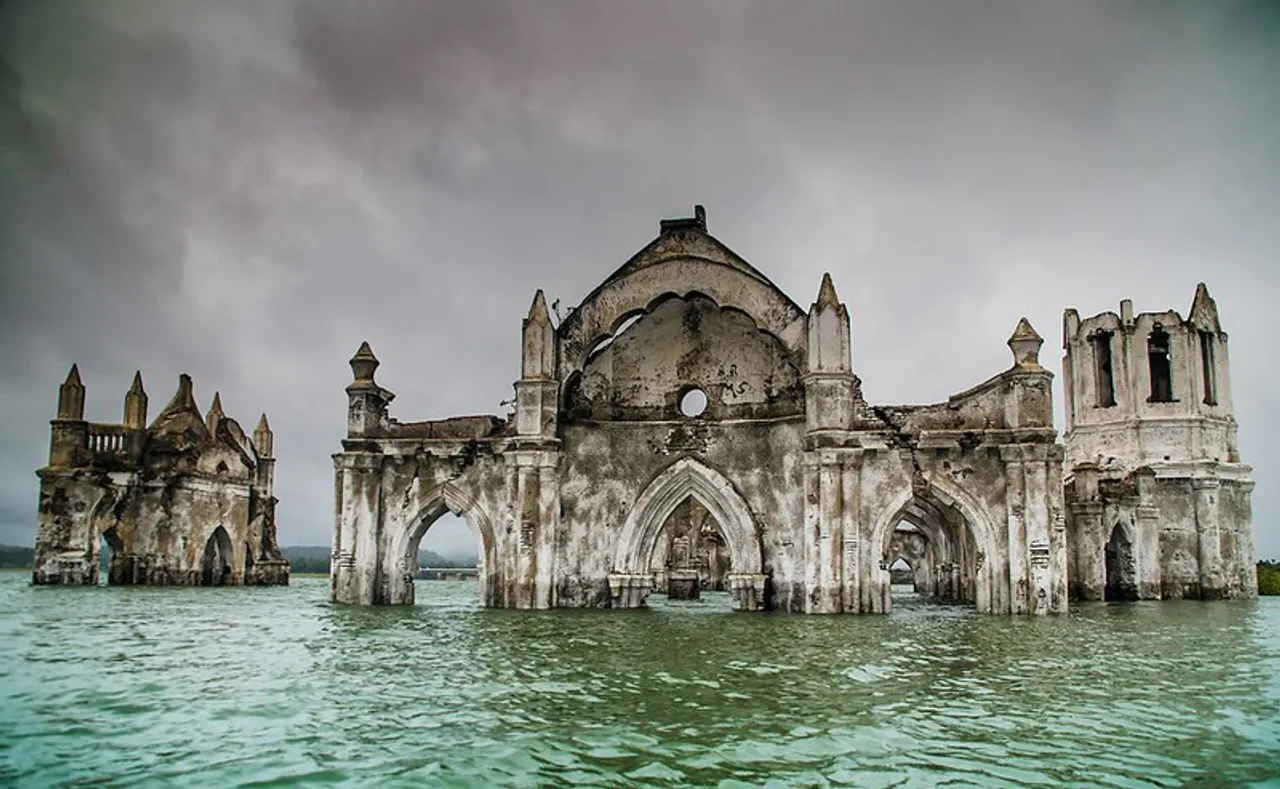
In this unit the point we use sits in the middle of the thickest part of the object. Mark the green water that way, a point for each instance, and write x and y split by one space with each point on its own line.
276 687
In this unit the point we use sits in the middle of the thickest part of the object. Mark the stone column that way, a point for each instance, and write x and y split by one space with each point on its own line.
1015 490
850 568
1035 524
1147 533
1206 504
355 564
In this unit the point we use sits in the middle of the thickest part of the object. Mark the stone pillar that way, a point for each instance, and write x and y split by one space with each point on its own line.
69 432
1147 531
1015 506
356 560
1209 555
537 495
1037 527
851 525
1086 512
812 530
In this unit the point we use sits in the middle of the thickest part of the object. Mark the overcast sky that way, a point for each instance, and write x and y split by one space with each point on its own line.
247 190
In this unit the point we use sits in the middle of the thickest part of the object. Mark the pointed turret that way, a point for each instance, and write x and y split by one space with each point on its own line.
263 438
366 401
829 350
827 292
71 396
215 414
1204 311
1025 344
135 404
539 341
364 364
830 388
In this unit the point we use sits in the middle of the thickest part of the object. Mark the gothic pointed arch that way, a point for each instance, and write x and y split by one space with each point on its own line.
682 479
402 552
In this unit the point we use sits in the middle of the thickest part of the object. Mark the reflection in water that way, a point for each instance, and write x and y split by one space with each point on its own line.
275 686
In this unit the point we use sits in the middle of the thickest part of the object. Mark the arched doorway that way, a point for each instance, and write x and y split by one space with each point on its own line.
405 546
1120 566
690 555
216 561
951 546
697 487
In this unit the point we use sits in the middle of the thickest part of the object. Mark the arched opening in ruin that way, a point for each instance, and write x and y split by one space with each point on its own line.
448 530
687 513
1120 568
910 563
944 547
691 556
110 558
216 561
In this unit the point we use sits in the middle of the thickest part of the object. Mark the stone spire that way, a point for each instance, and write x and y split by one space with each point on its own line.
71 396
539 341
1025 344
1204 311
215 414
829 345
827 292
263 438
135 404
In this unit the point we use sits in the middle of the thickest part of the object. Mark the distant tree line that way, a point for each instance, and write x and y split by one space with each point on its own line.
315 559
16 556
1269 577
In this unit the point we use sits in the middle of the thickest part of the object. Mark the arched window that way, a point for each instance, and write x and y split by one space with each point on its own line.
1160 365
1103 376
1209 368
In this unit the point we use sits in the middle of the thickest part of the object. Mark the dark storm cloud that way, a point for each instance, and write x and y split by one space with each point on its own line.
245 191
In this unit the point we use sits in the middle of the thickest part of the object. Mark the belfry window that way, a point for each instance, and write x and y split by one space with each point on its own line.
1103 376
1209 370
1160 365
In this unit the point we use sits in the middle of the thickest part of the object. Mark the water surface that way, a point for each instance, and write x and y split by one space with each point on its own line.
277 687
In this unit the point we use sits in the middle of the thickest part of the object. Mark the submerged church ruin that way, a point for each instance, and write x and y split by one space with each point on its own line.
186 501
689 426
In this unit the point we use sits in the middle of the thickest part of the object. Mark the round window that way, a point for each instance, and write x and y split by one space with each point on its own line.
693 403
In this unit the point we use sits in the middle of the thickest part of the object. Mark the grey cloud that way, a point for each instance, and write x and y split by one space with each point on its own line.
246 191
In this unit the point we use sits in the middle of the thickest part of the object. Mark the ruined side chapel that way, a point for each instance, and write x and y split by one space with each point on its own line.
689 427
185 501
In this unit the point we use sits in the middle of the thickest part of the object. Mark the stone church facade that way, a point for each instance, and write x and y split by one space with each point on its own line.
185 501
689 425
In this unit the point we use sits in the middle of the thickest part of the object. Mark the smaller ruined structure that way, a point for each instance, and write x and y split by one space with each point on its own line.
1158 498
187 501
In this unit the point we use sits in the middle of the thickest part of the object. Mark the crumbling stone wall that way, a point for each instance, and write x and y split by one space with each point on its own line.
187 501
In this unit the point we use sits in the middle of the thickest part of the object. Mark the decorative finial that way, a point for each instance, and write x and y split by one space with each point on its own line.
136 386
364 364
263 426
1025 344
73 376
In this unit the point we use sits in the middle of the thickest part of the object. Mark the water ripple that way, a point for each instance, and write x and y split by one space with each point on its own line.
277 688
